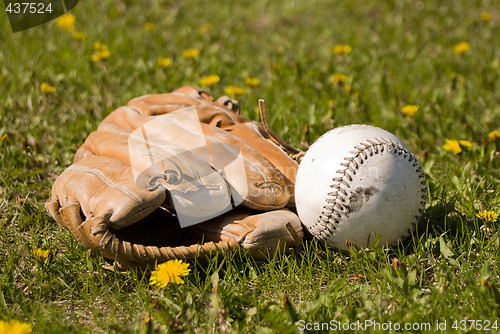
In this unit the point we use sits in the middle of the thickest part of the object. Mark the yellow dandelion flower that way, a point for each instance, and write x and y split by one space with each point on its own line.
485 16
487 216
209 80
339 78
97 56
66 22
493 135
190 53
169 272
163 62
100 46
101 52
204 28
455 146
465 143
79 36
105 54
47 88
409 110
461 48
252 82
452 145
148 26
41 254
341 49
14 327
348 88
234 90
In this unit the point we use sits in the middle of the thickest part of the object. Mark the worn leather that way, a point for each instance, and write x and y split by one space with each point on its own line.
122 196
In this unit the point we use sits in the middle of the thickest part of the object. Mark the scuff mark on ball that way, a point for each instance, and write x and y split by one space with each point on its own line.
360 196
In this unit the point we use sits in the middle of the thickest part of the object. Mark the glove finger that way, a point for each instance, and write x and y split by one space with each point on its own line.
193 92
230 103
70 216
104 187
260 233
159 104
260 185
219 112
255 136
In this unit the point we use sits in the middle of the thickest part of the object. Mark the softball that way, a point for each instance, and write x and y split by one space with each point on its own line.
359 184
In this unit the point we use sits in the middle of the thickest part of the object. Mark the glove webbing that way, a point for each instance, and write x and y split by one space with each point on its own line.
293 152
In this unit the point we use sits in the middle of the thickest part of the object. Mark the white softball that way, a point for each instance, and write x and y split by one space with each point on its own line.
358 183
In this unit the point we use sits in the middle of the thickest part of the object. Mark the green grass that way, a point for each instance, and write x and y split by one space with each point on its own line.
402 53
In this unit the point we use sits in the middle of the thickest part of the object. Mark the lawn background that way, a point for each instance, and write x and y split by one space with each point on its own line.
402 54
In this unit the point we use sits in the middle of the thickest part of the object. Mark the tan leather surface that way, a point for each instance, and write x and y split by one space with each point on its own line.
260 233
209 111
205 196
104 187
120 195
255 136
268 188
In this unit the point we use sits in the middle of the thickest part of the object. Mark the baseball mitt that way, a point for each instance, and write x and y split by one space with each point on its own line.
179 176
